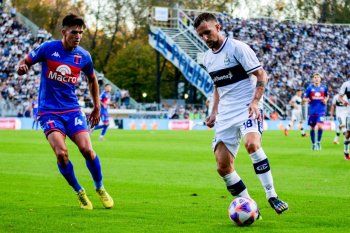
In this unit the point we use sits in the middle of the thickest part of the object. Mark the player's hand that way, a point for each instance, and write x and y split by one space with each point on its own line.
210 121
94 117
22 69
253 110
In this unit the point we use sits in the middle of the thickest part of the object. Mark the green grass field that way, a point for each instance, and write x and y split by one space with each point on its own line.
166 181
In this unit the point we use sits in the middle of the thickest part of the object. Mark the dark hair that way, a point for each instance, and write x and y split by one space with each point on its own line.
73 20
107 84
204 17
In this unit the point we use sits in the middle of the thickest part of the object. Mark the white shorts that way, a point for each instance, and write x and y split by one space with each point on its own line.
297 115
341 115
231 134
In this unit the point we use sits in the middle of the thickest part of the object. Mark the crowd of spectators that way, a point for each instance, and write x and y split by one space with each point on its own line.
17 92
292 51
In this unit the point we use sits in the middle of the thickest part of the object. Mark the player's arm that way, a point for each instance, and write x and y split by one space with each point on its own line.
262 78
23 66
342 94
331 112
94 117
210 121
341 98
37 55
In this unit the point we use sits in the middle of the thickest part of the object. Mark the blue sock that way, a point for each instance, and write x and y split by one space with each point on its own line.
319 135
104 130
68 172
312 134
94 167
98 127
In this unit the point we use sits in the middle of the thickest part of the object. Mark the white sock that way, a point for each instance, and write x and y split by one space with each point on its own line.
235 185
262 169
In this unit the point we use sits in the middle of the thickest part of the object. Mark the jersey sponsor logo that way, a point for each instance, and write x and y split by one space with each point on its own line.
228 76
55 54
317 96
62 74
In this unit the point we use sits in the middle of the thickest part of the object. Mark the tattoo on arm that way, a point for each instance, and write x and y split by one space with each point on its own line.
259 91
260 84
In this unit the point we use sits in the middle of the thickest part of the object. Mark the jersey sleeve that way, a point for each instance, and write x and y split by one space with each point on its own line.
38 54
247 57
88 69
342 89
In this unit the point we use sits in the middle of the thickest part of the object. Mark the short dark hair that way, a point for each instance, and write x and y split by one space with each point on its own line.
204 17
107 84
73 20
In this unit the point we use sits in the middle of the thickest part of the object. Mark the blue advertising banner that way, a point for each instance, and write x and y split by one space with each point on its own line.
191 70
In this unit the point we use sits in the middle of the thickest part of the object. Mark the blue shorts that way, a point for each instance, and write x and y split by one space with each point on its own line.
68 123
105 119
314 119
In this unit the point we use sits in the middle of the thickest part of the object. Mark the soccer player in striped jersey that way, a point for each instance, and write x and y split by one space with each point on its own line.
340 111
345 92
297 113
237 107
59 111
316 95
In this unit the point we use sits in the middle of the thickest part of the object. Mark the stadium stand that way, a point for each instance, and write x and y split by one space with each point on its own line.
291 51
16 40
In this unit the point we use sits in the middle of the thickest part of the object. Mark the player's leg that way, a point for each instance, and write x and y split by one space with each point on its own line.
312 124
251 131
105 120
338 129
82 140
347 139
225 168
65 166
319 131
262 169
289 126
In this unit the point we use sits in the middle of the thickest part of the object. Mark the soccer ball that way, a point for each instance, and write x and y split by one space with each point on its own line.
243 211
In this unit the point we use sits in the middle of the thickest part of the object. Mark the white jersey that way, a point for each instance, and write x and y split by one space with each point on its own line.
297 102
339 106
230 68
345 89
341 111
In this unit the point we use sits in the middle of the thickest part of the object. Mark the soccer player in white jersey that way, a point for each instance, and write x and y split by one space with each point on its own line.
345 91
340 115
236 109
297 113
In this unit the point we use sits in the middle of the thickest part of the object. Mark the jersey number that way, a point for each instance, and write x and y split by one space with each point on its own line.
248 124
77 121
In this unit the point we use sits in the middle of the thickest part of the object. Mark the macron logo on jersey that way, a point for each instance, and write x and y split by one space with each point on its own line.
55 54
62 74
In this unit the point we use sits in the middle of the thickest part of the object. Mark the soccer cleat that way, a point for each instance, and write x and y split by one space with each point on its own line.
105 198
336 142
286 132
314 146
304 135
278 205
346 156
319 146
259 215
84 201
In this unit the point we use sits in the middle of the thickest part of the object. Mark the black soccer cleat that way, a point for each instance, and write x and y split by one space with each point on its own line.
278 205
